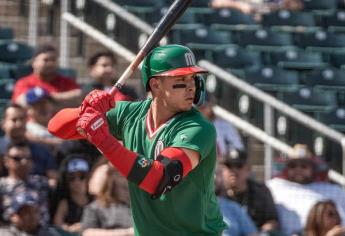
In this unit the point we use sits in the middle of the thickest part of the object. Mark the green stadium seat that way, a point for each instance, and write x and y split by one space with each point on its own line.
321 41
154 17
326 78
297 59
202 38
6 33
6 88
264 40
288 18
334 118
307 99
273 79
320 5
234 57
15 52
335 22
5 73
21 71
337 59
228 19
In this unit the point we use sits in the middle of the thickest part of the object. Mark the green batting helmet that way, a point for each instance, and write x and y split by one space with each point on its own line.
169 60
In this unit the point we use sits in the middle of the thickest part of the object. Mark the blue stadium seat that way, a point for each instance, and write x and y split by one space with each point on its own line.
6 33
234 57
264 40
297 59
15 52
228 19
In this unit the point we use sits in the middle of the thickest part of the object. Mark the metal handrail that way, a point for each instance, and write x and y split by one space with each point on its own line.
275 103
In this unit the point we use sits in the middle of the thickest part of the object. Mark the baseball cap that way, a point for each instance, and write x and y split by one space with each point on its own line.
21 199
36 94
77 164
235 156
300 151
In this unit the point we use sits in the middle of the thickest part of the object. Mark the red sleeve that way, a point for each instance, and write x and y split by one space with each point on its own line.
69 84
122 97
20 87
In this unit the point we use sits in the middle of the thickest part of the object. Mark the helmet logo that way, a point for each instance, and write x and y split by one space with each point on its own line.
190 59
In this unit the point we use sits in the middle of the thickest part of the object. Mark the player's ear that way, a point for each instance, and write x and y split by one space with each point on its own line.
154 83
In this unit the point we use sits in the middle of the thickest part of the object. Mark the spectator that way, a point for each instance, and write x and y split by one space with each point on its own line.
25 217
73 187
45 75
297 190
237 220
227 135
324 220
108 213
40 108
102 71
18 162
254 197
14 127
258 6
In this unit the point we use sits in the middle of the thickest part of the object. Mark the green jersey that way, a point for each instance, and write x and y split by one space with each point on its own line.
191 207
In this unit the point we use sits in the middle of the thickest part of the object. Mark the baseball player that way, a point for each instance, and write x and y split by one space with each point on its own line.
169 149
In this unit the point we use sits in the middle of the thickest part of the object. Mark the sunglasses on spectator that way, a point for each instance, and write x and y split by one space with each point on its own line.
19 158
303 165
74 177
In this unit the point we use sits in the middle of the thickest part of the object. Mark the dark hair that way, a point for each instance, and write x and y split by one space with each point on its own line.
43 49
95 57
17 144
11 105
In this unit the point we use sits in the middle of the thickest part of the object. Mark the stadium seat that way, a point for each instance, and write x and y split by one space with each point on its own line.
21 71
6 88
264 40
334 118
321 41
234 57
202 38
326 78
320 5
154 17
273 79
288 18
5 73
297 59
308 100
15 52
228 19
335 22
6 33
337 59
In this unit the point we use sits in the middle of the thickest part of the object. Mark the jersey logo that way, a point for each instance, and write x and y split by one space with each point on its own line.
190 59
144 162
159 147
183 137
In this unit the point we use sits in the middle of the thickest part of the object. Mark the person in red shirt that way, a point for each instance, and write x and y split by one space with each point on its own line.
45 75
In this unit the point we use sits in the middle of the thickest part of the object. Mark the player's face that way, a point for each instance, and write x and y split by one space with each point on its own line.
177 93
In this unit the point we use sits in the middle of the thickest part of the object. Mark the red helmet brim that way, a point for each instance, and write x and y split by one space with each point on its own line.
183 71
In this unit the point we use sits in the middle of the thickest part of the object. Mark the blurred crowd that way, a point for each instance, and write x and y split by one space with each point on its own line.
53 187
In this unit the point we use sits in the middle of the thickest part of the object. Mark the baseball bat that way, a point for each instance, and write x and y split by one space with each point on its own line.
63 124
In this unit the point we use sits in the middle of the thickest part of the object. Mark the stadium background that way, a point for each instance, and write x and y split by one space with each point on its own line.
297 57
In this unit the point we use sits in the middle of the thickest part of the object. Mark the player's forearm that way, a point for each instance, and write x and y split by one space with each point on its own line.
109 232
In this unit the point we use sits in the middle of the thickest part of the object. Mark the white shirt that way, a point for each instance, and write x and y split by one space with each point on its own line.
294 201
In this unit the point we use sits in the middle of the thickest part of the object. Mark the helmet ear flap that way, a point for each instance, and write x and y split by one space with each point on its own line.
200 90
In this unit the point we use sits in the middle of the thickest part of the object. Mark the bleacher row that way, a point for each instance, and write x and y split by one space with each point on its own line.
297 56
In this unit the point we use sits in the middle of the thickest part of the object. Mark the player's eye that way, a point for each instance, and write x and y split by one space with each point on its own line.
179 86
